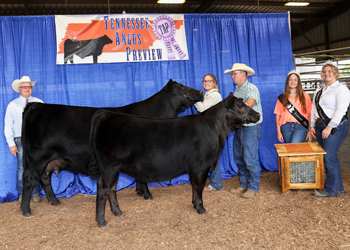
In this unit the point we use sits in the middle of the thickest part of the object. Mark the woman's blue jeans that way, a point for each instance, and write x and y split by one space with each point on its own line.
293 132
334 182
36 190
246 155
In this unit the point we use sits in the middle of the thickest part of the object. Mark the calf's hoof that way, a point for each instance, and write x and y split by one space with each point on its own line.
118 212
146 196
27 215
102 224
202 211
55 202
150 197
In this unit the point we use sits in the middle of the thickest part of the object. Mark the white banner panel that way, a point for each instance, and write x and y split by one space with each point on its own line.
120 38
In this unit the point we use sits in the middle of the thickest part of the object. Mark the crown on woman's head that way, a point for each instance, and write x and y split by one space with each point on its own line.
329 62
293 72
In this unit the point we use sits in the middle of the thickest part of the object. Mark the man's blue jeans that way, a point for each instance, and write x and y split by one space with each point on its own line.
36 190
215 178
293 132
246 155
334 182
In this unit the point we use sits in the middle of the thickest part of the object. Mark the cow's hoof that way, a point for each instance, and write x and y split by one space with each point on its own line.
103 224
148 197
55 203
202 211
118 213
27 215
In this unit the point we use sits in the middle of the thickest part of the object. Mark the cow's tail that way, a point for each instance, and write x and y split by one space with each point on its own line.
94 170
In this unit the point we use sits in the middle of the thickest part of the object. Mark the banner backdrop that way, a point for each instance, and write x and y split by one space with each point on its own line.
120 38
215 42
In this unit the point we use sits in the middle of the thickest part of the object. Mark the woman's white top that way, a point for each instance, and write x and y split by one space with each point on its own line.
211 98
334 101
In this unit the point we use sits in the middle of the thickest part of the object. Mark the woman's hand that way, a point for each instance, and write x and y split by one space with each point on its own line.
309 136
280 137
326 132
278 128
312 133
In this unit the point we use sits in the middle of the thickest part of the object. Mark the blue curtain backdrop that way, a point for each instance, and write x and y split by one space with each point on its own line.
215 42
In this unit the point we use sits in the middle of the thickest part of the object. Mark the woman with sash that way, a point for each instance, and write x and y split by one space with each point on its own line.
293 109
211 98
329 125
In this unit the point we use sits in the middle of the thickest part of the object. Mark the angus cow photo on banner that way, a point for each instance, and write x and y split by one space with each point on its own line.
120 38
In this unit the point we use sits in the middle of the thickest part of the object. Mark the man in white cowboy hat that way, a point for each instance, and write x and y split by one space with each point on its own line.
246 139
13 128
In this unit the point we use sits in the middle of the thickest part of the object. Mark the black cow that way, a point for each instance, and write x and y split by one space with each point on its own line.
84 48
153 150
56 137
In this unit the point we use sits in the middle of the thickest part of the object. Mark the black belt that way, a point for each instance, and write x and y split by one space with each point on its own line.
319 122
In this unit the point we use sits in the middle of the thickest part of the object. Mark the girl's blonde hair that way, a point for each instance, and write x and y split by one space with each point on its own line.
334 69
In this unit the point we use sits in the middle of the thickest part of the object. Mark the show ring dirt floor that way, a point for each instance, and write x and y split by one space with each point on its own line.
272 220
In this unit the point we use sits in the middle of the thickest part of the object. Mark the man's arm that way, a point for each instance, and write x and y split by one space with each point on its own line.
8 131
250 102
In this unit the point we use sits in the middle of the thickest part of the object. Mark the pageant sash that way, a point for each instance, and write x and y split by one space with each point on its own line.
323 117
295 113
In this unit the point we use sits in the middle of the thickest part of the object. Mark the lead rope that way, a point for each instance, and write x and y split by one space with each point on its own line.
188 97
192 109
242 116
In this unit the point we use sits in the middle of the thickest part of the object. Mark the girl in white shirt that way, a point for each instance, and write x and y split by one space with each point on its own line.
212 97
329 125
